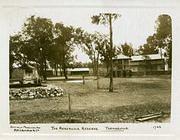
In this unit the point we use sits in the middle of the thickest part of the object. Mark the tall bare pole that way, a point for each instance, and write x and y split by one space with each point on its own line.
69 107
111 48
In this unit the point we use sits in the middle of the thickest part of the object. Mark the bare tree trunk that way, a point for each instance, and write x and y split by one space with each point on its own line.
10 72
107 68
55 66
41 63
111 47
145 69
94 64
45 70
64 64
98 70
69 107
56 70
60 68
64 71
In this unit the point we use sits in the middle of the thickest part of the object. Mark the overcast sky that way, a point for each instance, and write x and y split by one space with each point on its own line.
134 25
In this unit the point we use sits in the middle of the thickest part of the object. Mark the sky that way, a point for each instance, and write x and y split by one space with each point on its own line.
134 25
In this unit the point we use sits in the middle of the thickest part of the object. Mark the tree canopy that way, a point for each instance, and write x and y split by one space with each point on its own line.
40 41
126 49
164 35
161 39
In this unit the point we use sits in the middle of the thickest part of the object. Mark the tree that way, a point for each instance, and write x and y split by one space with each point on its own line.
37 36
88 43
63 46
91 44
147 49
164 35
96 46
100 42
127 49
107 18
150 47
161 39
104 51
88 46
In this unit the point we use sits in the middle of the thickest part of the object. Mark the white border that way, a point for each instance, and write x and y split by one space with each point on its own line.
169 131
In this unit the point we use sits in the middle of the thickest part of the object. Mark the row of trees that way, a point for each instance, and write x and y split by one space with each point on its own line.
41 41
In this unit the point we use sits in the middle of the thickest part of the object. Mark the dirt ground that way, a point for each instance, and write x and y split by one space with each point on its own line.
132 97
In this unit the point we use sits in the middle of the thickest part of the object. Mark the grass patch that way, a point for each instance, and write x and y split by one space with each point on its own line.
122 114
133 97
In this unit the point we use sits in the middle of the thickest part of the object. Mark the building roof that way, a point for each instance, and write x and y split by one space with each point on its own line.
78 69
149 56
24 66
139 57
121 56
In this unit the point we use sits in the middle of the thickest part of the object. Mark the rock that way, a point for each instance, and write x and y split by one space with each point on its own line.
24 96
52 95
32 93
11 97
58 94
44 96
31 97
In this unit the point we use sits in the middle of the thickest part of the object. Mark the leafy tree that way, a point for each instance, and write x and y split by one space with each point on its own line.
104 51
146 49
63 46
127 49
88 44
38 38
91 44
161 39
94 45
100 42
41 41
107 18
150 47
164 34
89 49
97 47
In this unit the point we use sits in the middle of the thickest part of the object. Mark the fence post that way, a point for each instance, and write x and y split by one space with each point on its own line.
83 79
69 107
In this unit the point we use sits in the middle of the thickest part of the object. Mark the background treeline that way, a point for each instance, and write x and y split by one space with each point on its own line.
42 41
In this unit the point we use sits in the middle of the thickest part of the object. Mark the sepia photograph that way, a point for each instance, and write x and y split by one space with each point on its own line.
89 65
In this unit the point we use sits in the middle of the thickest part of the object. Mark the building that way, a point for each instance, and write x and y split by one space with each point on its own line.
78 71
69 71
150 64
121 66
25 74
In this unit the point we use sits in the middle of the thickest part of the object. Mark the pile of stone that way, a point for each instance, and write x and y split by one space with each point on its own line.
35 93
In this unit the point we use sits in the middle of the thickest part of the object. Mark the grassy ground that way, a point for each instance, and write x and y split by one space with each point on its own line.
132 97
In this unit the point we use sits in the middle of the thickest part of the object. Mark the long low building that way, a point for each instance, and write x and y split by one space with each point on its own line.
78 71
